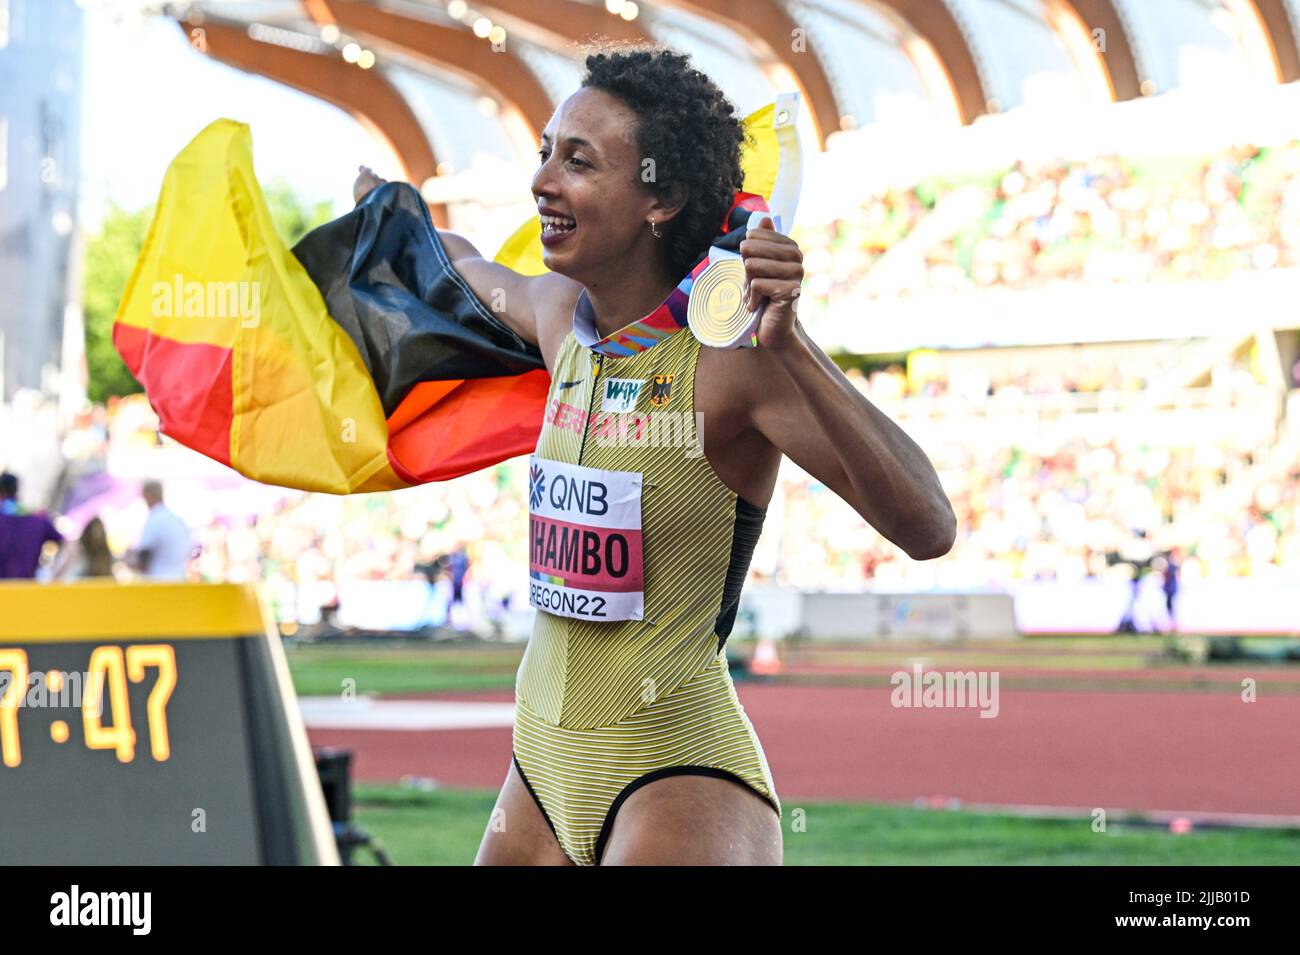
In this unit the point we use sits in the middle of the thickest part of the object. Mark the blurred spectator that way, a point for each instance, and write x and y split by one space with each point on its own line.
90 556
1167 564
165 546
23 533
458 567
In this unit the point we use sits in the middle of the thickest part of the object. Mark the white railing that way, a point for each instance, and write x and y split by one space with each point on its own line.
1184 415
1066 403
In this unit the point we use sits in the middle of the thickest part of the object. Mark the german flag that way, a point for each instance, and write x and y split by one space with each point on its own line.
357 361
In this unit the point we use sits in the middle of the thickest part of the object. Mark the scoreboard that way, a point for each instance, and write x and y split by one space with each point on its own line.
151 723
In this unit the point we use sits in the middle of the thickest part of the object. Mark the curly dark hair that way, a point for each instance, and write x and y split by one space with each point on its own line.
687 126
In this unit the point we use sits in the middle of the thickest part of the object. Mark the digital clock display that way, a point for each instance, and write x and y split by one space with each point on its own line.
104 681
150 723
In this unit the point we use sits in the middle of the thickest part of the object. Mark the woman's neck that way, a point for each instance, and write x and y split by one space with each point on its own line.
632 296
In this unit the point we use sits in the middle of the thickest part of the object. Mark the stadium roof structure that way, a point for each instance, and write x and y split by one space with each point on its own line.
442 81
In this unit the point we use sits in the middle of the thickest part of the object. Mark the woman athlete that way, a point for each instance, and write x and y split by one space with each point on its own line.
630 746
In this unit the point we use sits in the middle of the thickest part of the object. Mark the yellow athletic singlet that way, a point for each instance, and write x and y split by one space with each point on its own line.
639 551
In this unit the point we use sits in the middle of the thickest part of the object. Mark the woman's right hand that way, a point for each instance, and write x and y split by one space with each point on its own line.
366 180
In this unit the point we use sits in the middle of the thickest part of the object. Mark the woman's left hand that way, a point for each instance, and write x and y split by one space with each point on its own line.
773 270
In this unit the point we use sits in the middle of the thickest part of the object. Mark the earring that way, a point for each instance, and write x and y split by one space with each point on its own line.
654 229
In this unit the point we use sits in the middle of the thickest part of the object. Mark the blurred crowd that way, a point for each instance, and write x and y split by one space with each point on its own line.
1107 219
465 538
839 255
1061 512
470 533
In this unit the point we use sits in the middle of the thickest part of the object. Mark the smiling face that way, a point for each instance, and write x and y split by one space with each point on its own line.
590 173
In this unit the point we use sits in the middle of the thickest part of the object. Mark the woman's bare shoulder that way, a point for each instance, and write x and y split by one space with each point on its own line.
554 297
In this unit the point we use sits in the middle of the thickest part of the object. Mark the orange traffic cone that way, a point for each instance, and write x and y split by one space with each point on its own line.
765 659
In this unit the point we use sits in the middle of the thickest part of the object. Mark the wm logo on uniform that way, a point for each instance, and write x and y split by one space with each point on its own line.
622 390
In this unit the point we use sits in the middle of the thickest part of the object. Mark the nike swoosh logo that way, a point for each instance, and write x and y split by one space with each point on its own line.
569 384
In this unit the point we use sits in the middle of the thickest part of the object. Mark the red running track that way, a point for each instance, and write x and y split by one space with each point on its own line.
1180 751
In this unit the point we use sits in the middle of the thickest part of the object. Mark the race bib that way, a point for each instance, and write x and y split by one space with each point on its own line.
584 541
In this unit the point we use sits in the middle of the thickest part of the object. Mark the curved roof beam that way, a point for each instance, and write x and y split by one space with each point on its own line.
1272 13
457 50
363 94
934 23
768 28
1116 52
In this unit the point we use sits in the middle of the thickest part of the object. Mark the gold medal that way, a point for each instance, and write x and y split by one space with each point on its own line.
716 311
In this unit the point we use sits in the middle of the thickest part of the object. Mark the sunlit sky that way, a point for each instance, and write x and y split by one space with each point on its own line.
147 93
